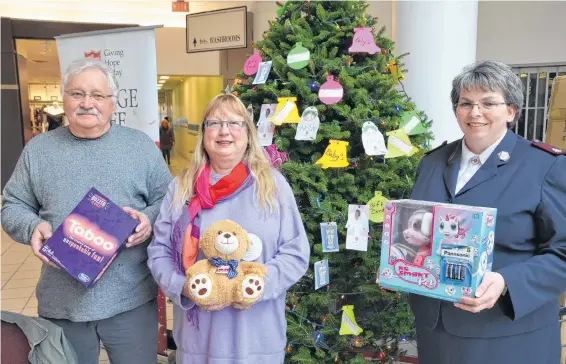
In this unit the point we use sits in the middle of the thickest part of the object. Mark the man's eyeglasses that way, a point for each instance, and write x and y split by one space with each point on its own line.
482 105
217 124
95 96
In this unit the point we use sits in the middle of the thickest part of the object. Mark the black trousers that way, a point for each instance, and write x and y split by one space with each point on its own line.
166 155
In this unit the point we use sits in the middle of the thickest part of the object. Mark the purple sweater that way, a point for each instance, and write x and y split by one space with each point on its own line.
231 336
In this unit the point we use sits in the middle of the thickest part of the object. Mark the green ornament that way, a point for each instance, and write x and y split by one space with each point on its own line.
298 57
411 123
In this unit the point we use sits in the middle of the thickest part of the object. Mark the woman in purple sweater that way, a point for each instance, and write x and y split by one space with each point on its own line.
256 197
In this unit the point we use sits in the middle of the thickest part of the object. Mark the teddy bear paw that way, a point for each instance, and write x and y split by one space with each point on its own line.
201 286
252 287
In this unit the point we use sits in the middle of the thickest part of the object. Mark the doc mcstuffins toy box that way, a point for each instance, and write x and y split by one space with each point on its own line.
436 250
89 238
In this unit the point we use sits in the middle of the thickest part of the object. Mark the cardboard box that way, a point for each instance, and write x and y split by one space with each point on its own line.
556 128
436 250
89 238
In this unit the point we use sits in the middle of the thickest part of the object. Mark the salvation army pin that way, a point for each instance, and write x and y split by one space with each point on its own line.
504 156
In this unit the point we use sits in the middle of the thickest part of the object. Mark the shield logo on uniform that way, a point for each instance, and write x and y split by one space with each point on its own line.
92 54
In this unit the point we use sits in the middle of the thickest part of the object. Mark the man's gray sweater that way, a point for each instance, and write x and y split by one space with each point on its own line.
54 172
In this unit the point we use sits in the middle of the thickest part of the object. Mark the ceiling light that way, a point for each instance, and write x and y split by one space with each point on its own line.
162 81
164 77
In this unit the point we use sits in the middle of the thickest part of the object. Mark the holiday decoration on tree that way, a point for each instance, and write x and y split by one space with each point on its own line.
286 111
298 57
375 206
363 42
399 145
372 139
411 123
252 64
347 89
331 91
334 155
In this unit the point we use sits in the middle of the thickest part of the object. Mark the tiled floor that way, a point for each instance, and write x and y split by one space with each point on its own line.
21 270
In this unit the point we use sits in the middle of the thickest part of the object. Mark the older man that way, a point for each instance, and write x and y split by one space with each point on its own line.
54 172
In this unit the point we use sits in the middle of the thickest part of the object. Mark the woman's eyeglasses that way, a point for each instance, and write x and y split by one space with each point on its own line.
217 124
482 105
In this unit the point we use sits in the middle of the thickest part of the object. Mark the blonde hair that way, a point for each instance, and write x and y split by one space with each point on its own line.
254 157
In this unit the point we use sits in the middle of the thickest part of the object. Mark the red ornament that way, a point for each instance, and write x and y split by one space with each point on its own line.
356 165
382 355
398 297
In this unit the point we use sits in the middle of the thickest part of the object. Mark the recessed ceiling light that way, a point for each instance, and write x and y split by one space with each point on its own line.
164 77
162 81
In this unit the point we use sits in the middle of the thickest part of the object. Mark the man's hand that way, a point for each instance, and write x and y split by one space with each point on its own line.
487 294
143 230
40 234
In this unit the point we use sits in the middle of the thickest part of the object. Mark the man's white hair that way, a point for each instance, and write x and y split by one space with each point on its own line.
83 64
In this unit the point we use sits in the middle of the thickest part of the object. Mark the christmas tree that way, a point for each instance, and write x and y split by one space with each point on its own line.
333 49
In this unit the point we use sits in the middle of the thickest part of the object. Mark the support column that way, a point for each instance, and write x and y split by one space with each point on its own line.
441 38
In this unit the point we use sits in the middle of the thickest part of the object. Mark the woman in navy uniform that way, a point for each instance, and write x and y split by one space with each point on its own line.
513 317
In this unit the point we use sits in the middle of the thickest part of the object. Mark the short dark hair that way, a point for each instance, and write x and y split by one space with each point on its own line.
490 76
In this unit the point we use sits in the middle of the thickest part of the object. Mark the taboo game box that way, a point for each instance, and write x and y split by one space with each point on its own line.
436 250
89 238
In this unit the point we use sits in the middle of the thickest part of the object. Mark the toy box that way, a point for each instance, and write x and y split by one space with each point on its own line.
89 238
436 250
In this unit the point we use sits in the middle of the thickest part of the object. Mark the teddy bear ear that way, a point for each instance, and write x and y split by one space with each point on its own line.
255 248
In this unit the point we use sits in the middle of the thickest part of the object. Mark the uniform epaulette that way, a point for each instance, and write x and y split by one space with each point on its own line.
437 148
548 148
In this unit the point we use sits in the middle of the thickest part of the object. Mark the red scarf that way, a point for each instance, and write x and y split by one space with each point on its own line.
205 197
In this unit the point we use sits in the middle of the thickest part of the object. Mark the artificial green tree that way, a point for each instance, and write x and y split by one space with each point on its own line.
372 91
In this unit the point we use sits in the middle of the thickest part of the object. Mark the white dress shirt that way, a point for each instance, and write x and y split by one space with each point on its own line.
470 163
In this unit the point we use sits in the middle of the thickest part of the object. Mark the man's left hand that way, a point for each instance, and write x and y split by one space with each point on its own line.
487 294
143 230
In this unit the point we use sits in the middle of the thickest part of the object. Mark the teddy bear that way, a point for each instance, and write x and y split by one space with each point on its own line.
223 278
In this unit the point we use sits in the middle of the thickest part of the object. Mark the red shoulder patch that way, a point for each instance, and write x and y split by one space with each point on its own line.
548 148
437 148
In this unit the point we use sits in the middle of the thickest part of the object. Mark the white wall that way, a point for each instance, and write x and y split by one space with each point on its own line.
265 10
172 58
522 32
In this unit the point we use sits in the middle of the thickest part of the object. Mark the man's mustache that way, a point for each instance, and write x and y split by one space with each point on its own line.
81 111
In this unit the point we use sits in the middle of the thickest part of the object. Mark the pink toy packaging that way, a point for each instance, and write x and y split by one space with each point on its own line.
89 239
436 250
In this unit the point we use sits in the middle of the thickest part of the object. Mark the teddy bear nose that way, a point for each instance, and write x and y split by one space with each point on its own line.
227 235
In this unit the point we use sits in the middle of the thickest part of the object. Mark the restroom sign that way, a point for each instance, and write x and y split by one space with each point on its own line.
229 30
180 6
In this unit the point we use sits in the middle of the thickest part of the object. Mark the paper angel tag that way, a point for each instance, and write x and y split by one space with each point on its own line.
363 42
298 57
399 145
308 125
255 249
331 91
349 325
375 206
411 123
265 128
252 64
329 235
321 274
262 73
334 155
372 139
286 111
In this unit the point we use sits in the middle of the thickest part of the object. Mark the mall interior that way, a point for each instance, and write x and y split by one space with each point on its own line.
439 36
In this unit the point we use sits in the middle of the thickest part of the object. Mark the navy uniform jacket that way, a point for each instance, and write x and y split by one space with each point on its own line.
529 192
